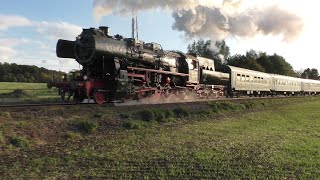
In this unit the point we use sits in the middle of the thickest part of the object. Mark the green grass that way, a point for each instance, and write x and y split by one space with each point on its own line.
17 85
255 139
32 92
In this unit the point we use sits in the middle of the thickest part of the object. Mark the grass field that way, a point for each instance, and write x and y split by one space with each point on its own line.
28 93
256 139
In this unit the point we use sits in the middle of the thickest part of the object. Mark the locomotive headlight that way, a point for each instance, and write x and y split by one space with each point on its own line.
85 77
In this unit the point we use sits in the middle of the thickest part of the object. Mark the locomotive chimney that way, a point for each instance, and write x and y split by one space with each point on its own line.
105 30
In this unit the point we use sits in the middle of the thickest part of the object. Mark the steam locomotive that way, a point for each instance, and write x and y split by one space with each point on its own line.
118 68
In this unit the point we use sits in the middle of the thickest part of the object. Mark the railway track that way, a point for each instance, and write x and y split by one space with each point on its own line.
36 105
133 103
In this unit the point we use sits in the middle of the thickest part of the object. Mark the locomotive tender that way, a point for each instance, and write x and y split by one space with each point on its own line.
118 68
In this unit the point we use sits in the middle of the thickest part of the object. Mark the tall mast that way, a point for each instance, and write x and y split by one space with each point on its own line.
135 32
133 27
137 27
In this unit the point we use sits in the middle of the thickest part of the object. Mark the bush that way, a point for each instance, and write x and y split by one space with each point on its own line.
97 115
226 106
170 119
147 115
181 112
215 107
131 125
247 105
124 116
20 142
168 114
203 113
160 115
86 126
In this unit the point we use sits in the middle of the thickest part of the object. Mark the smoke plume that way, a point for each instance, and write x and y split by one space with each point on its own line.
203 18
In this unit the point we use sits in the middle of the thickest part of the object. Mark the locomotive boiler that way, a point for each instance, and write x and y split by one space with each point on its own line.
121 68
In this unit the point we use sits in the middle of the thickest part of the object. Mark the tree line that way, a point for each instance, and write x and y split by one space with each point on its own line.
24 73
254 60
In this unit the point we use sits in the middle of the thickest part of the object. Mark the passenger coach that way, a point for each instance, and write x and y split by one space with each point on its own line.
248 82
285 85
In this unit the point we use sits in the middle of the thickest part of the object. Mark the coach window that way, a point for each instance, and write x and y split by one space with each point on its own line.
247 78
243 77
238 77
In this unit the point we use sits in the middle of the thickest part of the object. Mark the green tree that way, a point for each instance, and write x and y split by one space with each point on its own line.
24 73
247 62
2 72
310 74
278 65
218 52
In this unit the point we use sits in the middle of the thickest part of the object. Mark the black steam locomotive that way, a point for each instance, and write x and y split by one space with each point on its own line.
118 68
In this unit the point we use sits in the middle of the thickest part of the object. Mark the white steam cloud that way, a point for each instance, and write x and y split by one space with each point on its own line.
131 7
211 22
213 19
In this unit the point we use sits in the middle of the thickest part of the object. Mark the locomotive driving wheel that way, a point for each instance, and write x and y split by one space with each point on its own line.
99 97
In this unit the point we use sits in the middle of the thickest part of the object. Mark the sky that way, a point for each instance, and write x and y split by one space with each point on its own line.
29 30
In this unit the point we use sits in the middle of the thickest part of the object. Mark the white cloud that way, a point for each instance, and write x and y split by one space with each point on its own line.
6 53
7 48
58 30
11 42
39 51
10 21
